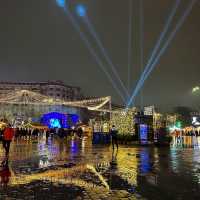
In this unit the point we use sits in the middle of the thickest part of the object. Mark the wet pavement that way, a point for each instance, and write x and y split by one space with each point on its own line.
76 169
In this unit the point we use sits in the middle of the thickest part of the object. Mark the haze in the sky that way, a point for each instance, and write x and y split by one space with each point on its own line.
39 43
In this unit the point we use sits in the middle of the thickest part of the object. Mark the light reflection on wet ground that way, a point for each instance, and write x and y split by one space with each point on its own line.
82 171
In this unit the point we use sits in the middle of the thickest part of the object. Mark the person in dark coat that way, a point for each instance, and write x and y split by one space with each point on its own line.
113 133
80 132
47 135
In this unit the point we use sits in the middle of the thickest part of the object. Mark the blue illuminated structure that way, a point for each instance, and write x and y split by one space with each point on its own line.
81 10
74 119
54 123
59 120
143 132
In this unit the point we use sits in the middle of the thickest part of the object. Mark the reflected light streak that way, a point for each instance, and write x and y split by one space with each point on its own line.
101 178
129 174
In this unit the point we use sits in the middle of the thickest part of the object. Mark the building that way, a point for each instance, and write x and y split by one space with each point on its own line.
54 89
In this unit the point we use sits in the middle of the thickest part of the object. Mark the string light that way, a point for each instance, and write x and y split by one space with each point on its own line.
124 121
26 97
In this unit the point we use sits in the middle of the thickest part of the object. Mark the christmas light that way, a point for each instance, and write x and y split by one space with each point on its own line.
26 97
124 121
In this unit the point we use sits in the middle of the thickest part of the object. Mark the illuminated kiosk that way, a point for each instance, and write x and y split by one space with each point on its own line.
59 120
144 127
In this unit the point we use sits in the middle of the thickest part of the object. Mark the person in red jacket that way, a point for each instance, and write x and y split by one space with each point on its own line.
7 139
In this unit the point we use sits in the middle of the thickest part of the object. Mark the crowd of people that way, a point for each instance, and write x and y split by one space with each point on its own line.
33 133
7 134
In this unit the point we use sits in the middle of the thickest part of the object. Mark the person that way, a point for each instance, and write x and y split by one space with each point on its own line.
113 133
80 132
7 139
17 133
35 133
29 133
47 135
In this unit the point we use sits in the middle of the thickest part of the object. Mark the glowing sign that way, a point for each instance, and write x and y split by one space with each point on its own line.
178 124
81 10
143 133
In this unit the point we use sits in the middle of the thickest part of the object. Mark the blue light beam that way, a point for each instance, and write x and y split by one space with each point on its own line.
172 35
156 48
129 43
167 43
141 45
91 50
103 50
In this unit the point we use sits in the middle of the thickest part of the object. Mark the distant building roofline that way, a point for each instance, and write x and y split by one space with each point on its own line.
49 82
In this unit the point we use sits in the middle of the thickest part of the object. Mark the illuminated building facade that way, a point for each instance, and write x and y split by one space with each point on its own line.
54 89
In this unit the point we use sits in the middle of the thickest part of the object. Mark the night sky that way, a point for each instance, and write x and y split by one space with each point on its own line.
39 43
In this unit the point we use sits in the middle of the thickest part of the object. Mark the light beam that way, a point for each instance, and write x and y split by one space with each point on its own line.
141 46
81 10
156 48
167 43
91 50
129 43
103 50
